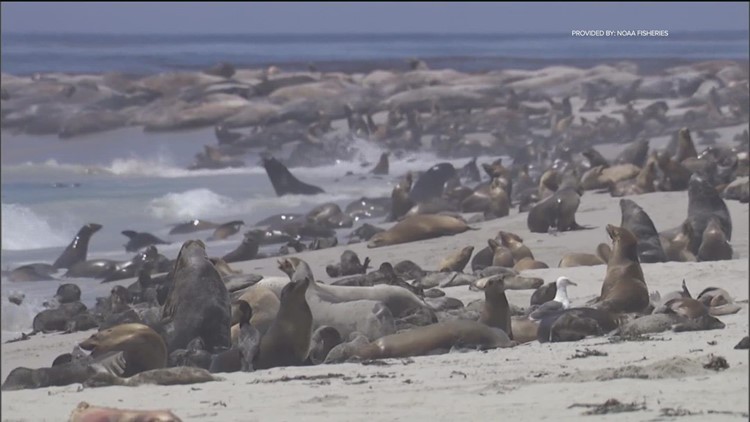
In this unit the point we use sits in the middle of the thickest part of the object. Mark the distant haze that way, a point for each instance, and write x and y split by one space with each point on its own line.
194 18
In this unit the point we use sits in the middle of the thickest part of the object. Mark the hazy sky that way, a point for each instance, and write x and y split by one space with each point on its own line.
367 17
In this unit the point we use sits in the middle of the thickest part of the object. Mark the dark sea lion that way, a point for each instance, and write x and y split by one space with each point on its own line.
432 183
192 226
382 167
284 183
624 288
93 268
57 319
496 310
247 249
138 241
85 412
143 348
197 304
470 171
685 146
420 341
248 339
714 244
323 340
287 341
227 229
419 227
635 153
78 248
401 203
59 375
556 211
265 305
32 272
635 219
349 264
68 293
575 324
456 261
703 203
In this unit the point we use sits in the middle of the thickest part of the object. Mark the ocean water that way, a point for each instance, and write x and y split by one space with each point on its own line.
128 179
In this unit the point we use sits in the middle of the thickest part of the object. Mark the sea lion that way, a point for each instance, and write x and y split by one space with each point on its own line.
575 324
265 305
247 249
57 319
635 219
349 264
556 211
248 339
529 264
420 341
501 255
456 261
323 340
287 341
284 183
718 301
143 348
32 272
470 171
642 183
382 167
432 183
78 247
365 207
401 203
714 244
227 229
524 329
514 242
496 310
635 153
624 288
703 202
418 227
85 412
329 215
677 248
192 226
139 241
68 293
197 304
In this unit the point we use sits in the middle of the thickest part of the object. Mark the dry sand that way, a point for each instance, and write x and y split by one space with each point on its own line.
529 382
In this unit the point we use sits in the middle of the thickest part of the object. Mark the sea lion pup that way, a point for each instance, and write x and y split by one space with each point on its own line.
88 413
197 304
635 219
558 303
576 259
192 226
287 341
456 262
143 348
496 310
284 183
718 301
501 255
248 339
227 229
624 288
400 201
323 340
382 167
514 242
247 249
419 227
348 265
138 241
714 245
429 339
677 248
77 250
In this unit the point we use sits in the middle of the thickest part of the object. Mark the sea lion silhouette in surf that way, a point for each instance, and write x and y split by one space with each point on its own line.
284 183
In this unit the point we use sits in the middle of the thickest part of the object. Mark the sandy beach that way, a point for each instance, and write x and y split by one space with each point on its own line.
529 382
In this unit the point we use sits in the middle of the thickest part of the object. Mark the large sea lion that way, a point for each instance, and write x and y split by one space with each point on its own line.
418 227
420 341
287 341
556 212
704 202
496 310
624 288
714 244
138 241
143 348
432 183
197 304
284 183
78 248
635 219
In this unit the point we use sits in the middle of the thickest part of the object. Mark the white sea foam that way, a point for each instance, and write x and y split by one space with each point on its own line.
193 203
24 229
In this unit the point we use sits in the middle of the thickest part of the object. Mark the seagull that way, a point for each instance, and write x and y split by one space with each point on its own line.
559 303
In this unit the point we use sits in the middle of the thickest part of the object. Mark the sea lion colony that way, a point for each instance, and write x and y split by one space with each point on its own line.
203 315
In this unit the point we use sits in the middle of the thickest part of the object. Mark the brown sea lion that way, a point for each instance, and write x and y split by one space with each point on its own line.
265 305
714 245
501 255
514 242
718 301
418 227
637 221
401 203
642 183
143 348
85 412
524 329
496 310
685 146
576 259
624 288
677 248
529 264
287 341
456 262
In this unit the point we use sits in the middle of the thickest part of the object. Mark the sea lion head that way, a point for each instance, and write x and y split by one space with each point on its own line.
494 286
377 240
67 293
509 239
288 265
92 227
